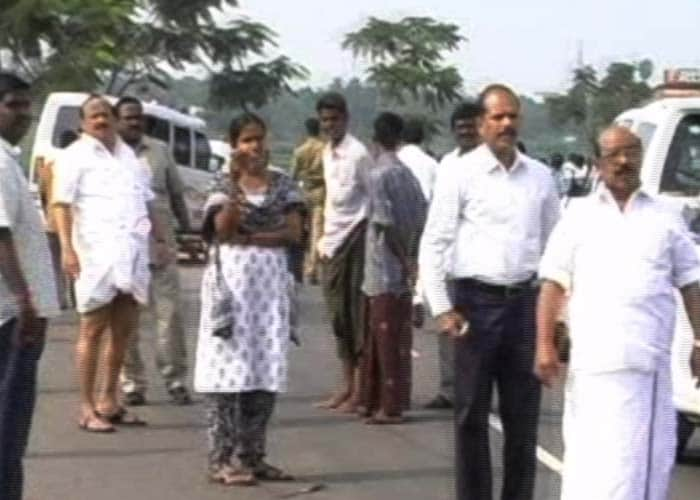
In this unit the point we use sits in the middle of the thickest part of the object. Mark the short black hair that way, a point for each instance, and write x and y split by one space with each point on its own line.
94 97
126 100
388 127
9 82
493 88
242 121
334 101
466 110
413 131
313 127
556 160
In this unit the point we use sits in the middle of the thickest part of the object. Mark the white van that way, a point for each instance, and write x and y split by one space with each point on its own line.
670 131
183 133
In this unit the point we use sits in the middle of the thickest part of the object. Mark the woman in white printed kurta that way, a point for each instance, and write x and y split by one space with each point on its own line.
252 215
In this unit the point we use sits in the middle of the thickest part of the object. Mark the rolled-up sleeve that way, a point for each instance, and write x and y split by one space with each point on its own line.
437 242
686 265
66 179
557 263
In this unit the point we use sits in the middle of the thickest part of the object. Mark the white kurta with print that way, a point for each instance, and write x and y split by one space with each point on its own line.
108 193
255 356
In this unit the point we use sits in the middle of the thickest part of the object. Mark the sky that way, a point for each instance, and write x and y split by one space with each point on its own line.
531 45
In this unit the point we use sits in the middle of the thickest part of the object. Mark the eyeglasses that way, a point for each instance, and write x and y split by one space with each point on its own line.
632 152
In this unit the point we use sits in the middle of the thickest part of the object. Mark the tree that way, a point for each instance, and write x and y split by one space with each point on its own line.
407 58
592 103
112 44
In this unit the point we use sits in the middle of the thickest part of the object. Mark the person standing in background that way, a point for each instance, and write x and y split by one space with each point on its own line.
307 168
169 206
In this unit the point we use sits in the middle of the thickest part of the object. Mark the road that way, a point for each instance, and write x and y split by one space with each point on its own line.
349 460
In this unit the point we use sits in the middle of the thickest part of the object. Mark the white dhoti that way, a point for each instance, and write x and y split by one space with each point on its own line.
108 268
619 435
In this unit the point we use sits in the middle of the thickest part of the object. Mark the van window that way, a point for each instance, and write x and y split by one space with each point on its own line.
67 120
202 151
182 148
158 128
645 131
681 172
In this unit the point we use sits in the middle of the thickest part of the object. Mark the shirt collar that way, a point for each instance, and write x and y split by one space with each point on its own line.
492 163
14 151
342 146
604 195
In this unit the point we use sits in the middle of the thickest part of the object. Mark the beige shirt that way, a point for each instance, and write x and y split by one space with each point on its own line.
166 184
20 215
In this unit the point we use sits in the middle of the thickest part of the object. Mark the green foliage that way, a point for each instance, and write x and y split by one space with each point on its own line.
591 103
407 59
108 45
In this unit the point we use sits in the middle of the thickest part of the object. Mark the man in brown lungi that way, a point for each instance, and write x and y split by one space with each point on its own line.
346 164
397 211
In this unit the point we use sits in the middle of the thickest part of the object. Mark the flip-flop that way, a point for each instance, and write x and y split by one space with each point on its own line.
123 417
86 424
267 472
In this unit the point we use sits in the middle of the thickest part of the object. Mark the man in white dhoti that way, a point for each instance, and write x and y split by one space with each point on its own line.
101 198
619 253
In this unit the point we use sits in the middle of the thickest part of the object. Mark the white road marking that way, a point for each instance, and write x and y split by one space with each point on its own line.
547 459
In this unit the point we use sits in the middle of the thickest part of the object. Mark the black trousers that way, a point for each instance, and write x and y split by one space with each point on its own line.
18 372
498 350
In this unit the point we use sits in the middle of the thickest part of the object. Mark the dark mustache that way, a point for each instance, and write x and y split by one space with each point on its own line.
509 132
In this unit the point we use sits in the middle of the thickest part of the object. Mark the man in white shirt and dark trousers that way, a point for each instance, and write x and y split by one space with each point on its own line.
621 254
341 248
486 230
27 288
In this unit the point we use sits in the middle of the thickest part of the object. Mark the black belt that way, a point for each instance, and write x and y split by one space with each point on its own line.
503 291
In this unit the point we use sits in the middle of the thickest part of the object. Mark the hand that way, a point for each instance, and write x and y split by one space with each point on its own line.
547 365
28 323
451 323
164 255
70 263
411 272
418 315
695 364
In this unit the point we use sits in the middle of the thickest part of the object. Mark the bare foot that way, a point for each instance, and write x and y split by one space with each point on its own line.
349 406
381 418
334 401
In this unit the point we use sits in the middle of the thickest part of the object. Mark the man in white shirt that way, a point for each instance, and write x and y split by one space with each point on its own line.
346 163
463 123
421 164
27 288
486 230
101 197
620 254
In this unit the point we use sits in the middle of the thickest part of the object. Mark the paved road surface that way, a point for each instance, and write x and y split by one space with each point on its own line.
352 461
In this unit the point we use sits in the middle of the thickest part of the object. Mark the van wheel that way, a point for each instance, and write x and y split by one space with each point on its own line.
684 432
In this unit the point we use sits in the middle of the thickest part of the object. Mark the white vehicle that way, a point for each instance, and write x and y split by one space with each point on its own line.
183 133
220 154
670 131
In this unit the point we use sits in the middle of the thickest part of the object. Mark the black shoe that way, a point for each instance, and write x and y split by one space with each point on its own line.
440 402
180 396
134 399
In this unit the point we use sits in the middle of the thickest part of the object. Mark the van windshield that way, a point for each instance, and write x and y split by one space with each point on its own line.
67 124
681 173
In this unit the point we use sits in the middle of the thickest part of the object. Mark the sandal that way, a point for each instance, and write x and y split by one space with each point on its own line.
241 476
95 423
123 417
267 472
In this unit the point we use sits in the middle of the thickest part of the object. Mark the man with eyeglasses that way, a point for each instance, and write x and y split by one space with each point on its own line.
620 254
